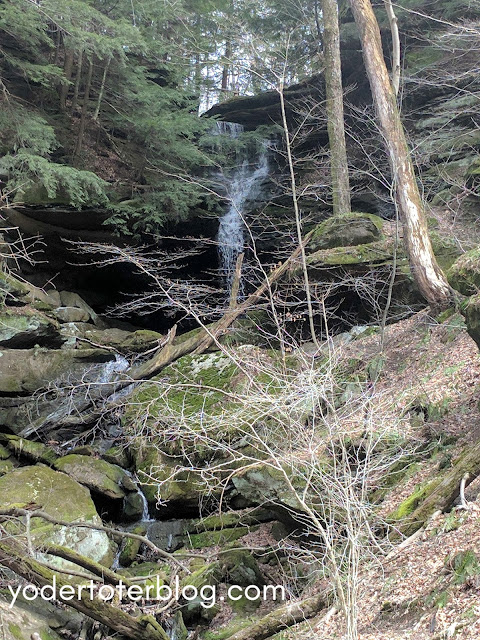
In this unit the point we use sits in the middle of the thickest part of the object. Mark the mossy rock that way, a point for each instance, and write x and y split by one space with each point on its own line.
470 310
240 567
24 328
22 620
445 248
347 230
266 486
373 253
24 371
160 484
464 274
209 575
98 475
220 537
33 451
150 570
62 498
117 455
230 519
131 546
7 465
4 453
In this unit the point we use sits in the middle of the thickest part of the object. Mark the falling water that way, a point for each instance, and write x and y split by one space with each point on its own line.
243 185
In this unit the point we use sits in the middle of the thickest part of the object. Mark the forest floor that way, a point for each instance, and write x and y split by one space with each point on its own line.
431 373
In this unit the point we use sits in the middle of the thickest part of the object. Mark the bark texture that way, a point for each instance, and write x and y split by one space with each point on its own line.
429 277
335 117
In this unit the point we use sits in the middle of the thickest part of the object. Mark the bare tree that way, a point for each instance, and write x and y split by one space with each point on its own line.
334 105
428 275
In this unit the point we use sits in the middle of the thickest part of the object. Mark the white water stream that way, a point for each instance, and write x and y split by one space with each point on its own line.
243 186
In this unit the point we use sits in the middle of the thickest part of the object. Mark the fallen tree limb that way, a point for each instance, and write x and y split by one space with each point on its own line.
200 342
284 617
12 556
107 575
440 494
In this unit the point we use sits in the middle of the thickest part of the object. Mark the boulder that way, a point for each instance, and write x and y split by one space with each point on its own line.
20 622
82 335
71 314
464 274
22 328
25 371
33 451
169 492
69 299
62 498
102 478
470 309
347 230
131 546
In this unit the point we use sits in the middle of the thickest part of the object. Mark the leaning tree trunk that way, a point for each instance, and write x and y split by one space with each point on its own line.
335 119
429 277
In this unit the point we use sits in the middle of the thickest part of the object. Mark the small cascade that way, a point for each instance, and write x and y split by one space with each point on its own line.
109 370
243 185
230 129
71 393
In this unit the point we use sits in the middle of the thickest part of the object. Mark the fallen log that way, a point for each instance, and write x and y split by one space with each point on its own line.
284 617
437 495
143 627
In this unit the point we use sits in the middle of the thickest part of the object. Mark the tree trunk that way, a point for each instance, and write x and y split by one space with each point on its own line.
78 78
226 67
83 118
282 618
67 72
392 19
335 120
102 89
429 277
12 556
440 494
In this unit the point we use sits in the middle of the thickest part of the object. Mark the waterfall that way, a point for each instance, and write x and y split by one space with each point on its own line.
243 185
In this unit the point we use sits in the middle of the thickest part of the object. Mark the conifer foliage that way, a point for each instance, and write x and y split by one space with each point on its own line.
97 108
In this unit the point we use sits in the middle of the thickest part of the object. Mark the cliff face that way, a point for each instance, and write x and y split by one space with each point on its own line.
439 98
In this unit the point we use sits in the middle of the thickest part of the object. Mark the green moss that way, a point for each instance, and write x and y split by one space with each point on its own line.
213 538
346 230
464 566
228 631
6 466
445 315
15 630
374 252
35 451
98 475
464 273
229 519
4 453
131 547
64 499
408 506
